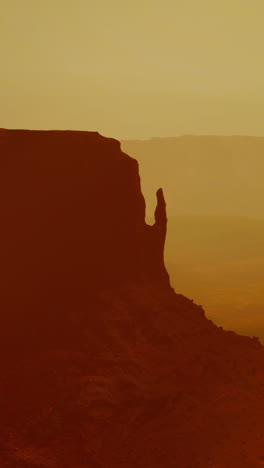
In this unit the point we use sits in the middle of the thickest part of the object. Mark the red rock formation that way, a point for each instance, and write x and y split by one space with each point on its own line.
102 364
73 221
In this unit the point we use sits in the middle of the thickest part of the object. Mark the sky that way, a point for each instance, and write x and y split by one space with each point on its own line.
135 69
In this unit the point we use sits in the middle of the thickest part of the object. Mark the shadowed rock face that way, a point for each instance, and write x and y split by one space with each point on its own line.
73 221
161 219
102 364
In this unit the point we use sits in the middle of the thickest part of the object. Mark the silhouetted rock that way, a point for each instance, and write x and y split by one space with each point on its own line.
102 364
73 223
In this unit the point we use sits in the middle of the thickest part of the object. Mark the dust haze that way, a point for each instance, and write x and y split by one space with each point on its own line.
215 243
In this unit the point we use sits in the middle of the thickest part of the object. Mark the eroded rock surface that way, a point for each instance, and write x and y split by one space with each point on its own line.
103 365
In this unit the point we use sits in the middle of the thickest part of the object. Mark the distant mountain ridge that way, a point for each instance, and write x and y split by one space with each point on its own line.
203 175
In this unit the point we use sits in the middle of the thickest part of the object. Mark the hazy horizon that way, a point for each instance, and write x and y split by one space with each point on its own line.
142 73
133 71
218 261
128 342
214 252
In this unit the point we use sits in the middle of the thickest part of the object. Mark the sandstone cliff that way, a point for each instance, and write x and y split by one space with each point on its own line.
103 365
73 223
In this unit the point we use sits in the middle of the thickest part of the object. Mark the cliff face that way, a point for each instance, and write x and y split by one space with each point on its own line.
102 364
73 221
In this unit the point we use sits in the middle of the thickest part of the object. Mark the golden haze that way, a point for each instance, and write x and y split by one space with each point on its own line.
215 242
133 69
136 70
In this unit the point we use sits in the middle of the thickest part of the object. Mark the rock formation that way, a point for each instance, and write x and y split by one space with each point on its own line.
103 364
73 223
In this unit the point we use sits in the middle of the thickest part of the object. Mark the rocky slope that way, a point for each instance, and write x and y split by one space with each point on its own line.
103 365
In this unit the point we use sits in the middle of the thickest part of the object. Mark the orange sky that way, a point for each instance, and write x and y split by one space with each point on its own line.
133 69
